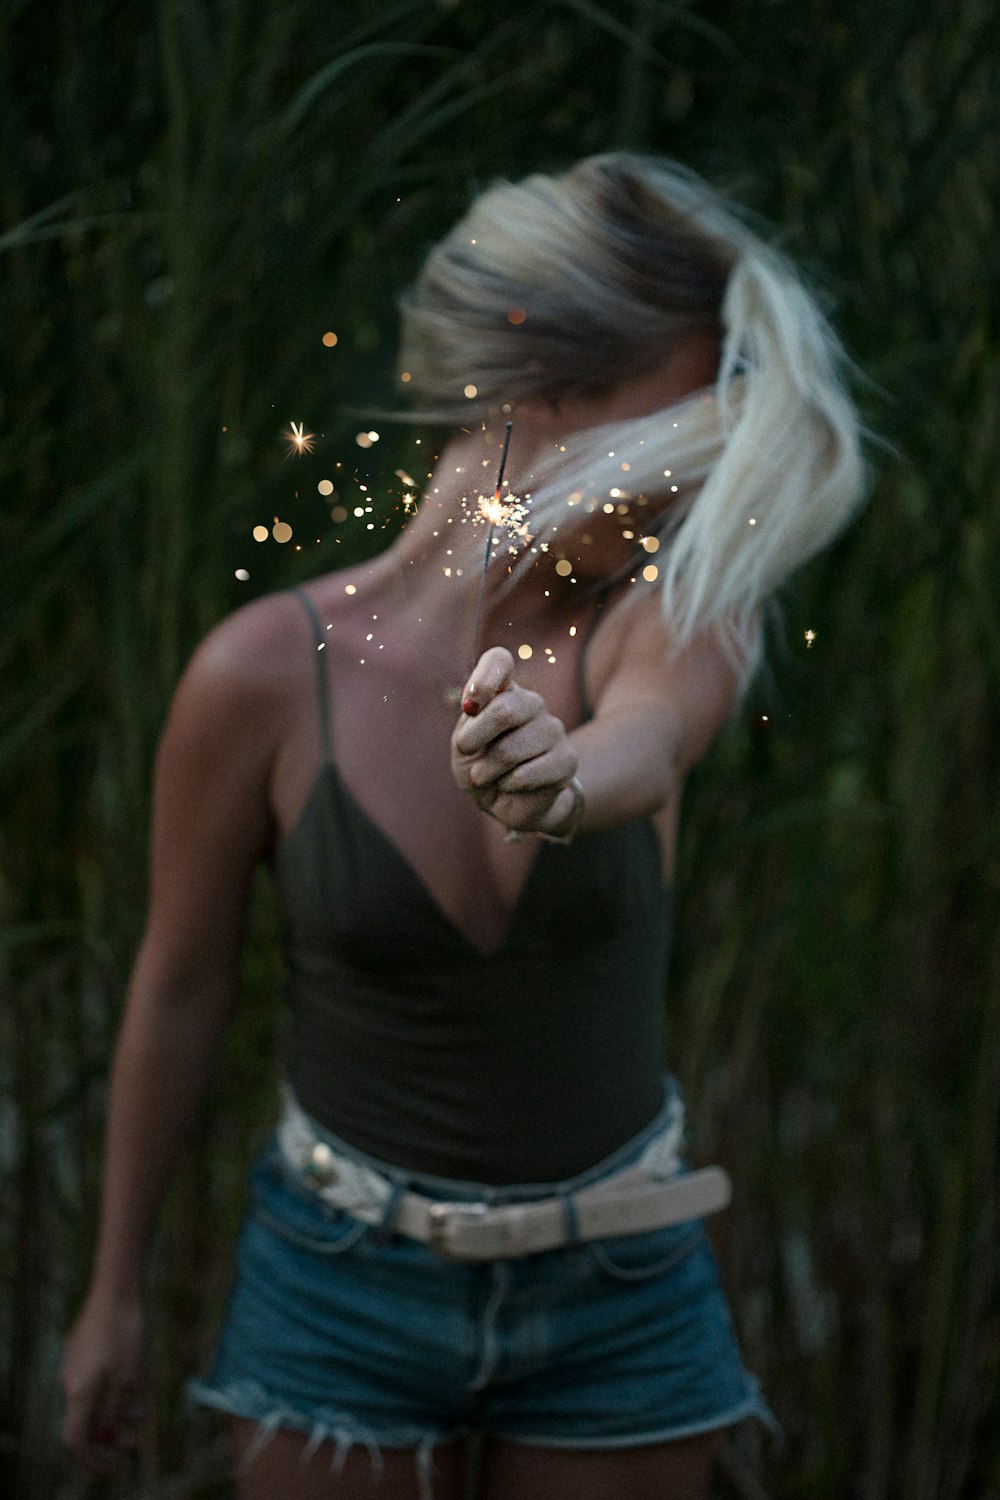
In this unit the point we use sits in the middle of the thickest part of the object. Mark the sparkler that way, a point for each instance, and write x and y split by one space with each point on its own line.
299 441
495 513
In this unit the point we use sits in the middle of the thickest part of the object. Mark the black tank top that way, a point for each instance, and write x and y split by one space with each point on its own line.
529 1064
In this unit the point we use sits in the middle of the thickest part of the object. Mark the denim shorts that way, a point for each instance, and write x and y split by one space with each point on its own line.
354 1335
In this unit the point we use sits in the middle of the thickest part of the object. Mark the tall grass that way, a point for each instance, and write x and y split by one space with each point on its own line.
190 197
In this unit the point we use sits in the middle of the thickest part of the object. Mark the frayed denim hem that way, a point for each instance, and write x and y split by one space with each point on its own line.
248 1399
753 1407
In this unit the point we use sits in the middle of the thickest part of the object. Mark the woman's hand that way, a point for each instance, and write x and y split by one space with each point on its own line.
102 1380
510 754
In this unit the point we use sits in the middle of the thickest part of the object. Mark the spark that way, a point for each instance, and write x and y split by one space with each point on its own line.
299 441
810 636
500 512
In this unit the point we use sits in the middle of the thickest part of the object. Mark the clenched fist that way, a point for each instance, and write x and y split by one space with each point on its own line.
511 754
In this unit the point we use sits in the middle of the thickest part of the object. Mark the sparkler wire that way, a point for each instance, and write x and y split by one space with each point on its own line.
489 546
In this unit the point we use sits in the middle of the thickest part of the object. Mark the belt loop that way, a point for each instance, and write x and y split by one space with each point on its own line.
384 1228
570 1220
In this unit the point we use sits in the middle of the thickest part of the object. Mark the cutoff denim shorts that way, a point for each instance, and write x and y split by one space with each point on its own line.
354 1335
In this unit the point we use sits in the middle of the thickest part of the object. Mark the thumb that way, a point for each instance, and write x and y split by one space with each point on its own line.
492 673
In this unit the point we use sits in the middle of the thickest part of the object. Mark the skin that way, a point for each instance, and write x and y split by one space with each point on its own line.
222 801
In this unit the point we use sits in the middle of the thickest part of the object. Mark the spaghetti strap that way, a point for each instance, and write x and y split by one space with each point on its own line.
321 693
586 708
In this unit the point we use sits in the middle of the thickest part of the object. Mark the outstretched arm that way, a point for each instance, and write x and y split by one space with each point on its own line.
655 716
209 828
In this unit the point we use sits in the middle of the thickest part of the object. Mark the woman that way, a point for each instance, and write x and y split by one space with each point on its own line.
473 1216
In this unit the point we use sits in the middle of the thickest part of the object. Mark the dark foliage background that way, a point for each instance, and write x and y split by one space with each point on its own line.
190 196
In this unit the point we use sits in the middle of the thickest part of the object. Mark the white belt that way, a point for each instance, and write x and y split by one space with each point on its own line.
645 1195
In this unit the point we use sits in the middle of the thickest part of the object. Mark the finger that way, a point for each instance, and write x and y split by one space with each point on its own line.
524 811
82 1416
509 710
554 770
491 675
502 755
100 1422
121 1419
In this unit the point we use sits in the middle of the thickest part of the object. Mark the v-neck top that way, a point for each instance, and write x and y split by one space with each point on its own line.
526 1064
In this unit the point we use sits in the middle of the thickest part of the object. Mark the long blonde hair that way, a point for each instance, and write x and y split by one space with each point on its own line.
568 285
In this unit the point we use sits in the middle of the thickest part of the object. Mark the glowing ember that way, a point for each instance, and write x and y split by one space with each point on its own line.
494 511
299 441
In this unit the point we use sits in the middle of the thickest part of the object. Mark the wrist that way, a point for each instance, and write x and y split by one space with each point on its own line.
567 814
118 1282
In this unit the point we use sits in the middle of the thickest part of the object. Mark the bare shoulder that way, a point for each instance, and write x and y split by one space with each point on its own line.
250 648
238 684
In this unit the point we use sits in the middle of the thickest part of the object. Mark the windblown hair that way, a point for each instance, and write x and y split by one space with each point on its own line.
569 285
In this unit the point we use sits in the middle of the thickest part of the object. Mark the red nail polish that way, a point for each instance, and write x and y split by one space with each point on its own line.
470 707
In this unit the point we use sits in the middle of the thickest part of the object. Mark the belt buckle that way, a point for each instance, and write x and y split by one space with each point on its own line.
441 1215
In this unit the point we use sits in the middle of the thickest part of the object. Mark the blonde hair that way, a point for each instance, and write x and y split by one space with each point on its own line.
569 285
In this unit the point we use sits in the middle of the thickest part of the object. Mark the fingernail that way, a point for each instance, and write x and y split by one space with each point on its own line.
470 707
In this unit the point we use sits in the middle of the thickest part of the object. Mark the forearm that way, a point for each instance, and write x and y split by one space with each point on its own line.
626 767
161 1068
